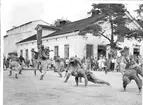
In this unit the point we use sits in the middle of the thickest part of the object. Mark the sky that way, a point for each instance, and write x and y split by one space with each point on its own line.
17 12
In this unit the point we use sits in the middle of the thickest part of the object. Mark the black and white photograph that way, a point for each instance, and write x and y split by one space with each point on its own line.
71 52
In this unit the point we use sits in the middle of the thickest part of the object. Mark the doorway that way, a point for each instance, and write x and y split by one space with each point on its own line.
101 50
136 51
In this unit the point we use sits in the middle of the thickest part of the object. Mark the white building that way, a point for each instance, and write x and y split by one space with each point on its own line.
19 33
66 42
25 46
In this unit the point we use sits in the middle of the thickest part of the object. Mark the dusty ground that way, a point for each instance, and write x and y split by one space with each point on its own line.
29 90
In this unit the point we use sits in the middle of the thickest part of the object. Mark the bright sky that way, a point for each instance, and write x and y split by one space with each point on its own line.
17 12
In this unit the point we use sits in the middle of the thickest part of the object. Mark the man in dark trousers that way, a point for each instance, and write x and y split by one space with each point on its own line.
21 63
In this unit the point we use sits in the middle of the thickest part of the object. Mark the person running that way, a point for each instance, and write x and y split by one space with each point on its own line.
58 65
45 61
133 73
22 60
123 62
14 64
35 61
74 65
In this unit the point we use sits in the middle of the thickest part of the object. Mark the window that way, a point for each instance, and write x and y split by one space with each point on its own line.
66 49
56 50
127 50
32 54
26 53
89 50
21 52
101 50
136 51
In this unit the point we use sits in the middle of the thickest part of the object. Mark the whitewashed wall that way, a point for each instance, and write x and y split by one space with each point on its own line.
19 34
61 41
131 45
46 32
77 44
29 46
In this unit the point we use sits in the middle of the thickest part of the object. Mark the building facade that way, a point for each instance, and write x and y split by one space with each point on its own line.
19 33
66 42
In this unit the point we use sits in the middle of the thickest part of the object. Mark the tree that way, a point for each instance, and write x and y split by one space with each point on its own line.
60 22
138 33
115 15
140 11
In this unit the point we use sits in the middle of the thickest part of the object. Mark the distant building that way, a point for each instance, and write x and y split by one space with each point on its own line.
19 33
66 42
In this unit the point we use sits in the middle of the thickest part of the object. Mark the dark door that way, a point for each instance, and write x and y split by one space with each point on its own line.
26 53
56 51
89 50
136 51
21 52
66 51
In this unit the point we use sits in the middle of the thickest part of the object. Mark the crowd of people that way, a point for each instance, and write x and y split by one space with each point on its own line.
94 64
78 67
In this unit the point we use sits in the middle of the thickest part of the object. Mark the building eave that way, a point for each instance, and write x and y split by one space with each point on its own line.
62 35
25 24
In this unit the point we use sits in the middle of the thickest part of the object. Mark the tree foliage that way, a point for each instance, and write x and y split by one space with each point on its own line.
138 33
140 11
61 22
115 15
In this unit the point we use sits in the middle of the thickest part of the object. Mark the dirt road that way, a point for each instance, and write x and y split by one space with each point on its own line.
29 90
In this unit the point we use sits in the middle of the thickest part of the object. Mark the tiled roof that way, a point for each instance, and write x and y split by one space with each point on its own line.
140 23
75 26
48 27
67 28
31 38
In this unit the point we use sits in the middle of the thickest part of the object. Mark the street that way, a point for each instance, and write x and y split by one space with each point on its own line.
29 90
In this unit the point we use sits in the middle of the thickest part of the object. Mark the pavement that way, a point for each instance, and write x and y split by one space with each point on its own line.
29 90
